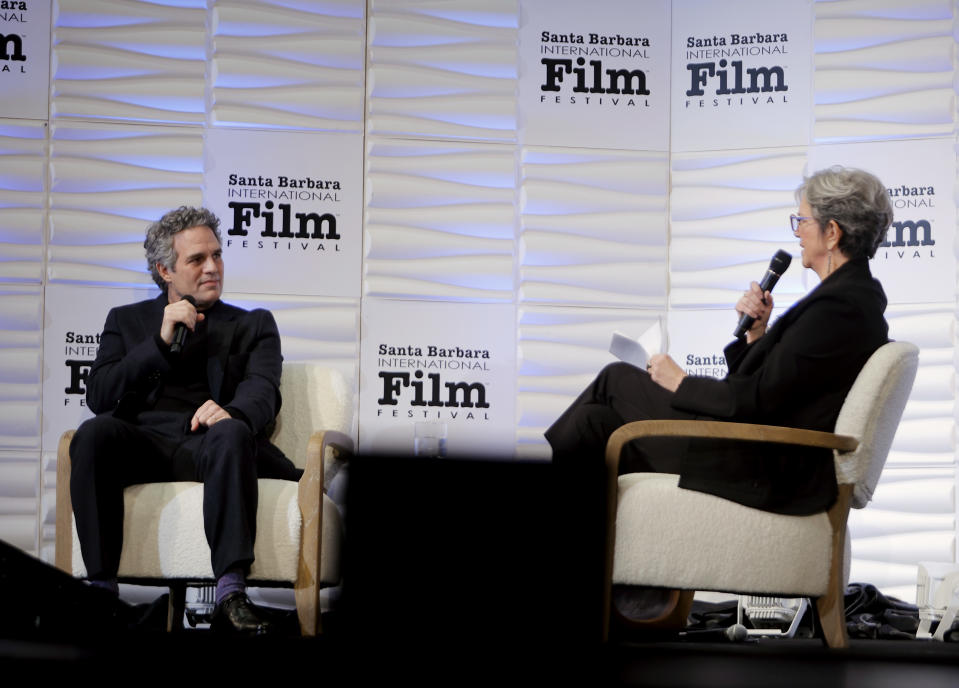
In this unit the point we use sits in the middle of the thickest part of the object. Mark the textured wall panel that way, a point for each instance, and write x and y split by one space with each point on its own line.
912 518
108 182
446 70
321 330
883 69
134 60
21 374
729 215
22 180
593 227
926 435
19 487
561 349
440 221
288 65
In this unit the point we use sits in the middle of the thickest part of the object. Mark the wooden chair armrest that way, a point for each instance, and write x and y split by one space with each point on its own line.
63 538
310 501
722 430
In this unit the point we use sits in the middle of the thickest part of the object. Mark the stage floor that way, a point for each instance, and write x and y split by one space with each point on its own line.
194 654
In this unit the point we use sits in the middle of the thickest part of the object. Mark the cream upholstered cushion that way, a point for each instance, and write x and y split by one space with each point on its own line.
671 537
174 545
163 534
871 414
314 398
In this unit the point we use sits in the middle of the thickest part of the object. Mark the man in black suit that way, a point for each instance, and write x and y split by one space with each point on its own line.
196 409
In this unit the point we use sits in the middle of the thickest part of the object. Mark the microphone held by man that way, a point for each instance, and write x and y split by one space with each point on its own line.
180 329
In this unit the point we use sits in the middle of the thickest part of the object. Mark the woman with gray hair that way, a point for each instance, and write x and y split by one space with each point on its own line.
794 373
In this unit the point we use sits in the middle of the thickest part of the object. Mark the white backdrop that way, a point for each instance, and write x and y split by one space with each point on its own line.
465 189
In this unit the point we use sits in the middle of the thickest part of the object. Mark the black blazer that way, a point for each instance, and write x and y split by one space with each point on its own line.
797 375
243 368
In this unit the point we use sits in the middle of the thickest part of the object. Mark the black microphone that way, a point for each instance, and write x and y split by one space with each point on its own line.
777 266
180 330
734 634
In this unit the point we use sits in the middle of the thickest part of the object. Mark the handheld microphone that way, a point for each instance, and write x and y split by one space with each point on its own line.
734 634
777 266
180 330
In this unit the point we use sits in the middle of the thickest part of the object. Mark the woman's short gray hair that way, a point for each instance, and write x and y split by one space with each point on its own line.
159 240
856 200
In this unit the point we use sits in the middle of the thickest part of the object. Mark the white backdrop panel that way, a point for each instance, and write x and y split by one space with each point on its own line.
447 363
593 226
108 182
595 74
288 65
26 59
443 70
741 74
883 69
291 222
135 61
315 329
916 263
19 496
729 215
926 435
73 320
560 351
23 147
440 220
21 333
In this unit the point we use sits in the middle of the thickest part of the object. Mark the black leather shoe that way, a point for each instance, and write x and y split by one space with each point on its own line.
237 614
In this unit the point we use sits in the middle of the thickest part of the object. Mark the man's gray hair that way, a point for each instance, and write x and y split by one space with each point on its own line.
856 200
159 240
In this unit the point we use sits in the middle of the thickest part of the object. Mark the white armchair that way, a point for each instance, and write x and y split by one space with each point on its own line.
660 535
299 529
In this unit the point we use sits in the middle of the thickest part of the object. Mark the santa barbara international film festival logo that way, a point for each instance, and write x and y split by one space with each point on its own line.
593 69
910 235
280 213
737 70
12 57
705 364
432 382
79 352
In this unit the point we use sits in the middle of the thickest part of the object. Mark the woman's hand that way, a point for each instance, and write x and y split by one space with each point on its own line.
665 371
756 305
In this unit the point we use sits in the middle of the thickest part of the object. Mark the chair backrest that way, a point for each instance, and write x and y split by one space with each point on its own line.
315 397
871 414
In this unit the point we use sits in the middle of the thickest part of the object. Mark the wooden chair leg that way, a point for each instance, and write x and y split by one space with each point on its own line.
306 589
176 607
832 618
831 606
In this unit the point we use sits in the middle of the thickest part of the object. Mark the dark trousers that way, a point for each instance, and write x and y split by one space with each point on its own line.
109 454
621 393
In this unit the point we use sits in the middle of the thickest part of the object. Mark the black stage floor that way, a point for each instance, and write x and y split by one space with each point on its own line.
200 655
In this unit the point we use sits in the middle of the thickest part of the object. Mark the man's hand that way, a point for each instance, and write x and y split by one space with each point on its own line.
756 305
178 312
665 371
208 414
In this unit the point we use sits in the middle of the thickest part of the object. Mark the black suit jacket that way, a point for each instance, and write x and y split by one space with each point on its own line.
797 375
243 369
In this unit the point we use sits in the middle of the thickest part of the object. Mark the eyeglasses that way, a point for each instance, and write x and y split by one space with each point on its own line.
795 220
